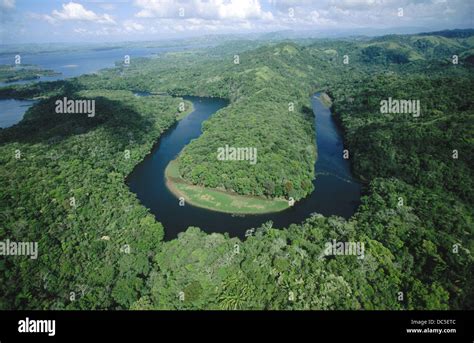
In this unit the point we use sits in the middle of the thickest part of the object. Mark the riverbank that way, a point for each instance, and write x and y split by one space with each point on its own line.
188 109
218 200
325 100
158 185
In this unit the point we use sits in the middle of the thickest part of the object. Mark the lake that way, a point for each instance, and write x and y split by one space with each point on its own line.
69 64
12 111
79 62
336 192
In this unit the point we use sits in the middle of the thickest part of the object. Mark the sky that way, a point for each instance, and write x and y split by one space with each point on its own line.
40 21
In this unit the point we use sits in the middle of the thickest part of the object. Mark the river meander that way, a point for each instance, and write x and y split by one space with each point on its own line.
336 191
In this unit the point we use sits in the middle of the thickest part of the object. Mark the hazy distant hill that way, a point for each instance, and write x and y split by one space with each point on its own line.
426 46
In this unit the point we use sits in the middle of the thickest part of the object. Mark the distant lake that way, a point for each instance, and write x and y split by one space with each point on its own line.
69 64
336 192
12 111
76 63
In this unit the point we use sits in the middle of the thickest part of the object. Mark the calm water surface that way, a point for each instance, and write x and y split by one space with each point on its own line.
336 192
76 63
12 111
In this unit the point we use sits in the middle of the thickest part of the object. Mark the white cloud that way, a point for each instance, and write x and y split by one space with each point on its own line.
153 18
80 30
76 12
208 9
7 4
104 31
131 26
318 17
357 4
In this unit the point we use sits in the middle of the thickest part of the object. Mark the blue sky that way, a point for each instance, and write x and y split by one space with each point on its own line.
26 21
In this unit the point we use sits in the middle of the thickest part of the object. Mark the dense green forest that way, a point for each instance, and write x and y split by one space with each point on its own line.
416 217
269 111
10 73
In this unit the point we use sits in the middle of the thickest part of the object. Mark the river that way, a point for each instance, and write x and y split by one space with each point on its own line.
336 192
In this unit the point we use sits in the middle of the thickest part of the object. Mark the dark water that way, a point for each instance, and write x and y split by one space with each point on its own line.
12 111
336 193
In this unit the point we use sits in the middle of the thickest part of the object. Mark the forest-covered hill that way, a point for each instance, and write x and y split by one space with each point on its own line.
416 218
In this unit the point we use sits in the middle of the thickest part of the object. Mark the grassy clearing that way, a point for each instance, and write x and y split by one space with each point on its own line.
218 200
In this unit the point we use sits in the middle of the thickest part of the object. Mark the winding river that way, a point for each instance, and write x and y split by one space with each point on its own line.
336 192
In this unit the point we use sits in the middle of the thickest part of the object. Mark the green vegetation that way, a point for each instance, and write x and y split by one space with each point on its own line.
83 242
416 217
9 73
188 109
218 200
258 116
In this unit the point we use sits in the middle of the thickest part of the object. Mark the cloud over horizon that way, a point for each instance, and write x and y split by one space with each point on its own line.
78 20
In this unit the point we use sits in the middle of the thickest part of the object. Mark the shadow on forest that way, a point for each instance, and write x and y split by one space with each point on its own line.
41 123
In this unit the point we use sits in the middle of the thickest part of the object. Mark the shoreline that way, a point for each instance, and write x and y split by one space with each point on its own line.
219 200
187 111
